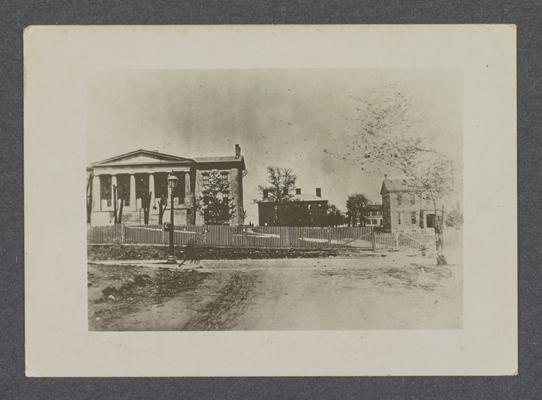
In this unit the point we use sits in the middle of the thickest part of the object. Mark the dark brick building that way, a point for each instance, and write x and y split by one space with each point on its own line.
302 209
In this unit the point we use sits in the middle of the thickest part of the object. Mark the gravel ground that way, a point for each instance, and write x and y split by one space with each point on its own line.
391 291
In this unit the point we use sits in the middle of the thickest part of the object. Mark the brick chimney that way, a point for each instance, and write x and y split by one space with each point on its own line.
237 151
319 192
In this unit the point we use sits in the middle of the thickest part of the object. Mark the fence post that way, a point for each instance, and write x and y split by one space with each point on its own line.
396 240
373 240
122 233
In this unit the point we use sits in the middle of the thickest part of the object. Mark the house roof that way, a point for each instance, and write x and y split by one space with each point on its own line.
221 159
396 185
298 197
216 159
142 156
307 197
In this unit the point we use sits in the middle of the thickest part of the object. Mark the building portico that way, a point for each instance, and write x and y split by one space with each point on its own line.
130 180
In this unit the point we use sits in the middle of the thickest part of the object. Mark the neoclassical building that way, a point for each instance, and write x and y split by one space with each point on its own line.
134 176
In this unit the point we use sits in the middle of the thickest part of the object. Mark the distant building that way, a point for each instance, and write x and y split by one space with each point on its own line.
140 172
302 209
373 215
403 209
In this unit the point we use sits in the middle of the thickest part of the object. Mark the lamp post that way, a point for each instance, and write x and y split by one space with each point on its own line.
172 181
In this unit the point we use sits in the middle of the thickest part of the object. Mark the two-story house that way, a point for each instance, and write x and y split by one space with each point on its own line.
301 209
372 215
403 209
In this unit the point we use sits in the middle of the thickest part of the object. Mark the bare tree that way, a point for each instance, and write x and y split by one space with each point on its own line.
162 205
280 182
433 182
89 197
387 137
118 205
242 216
146 206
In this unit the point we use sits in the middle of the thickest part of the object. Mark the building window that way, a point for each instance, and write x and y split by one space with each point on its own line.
179 189
412 198
413 217
374 222
399 218
205 179
105 189
160 185
225 178
123 188
399 199
142 185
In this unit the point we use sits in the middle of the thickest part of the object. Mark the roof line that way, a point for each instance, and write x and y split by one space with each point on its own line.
173 158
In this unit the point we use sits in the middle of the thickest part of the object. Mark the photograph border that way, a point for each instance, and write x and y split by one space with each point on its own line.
20 14
486 344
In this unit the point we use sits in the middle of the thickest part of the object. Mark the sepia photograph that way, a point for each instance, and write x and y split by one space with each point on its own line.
270 200
274 199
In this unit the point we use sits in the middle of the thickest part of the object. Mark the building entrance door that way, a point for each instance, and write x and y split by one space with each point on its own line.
430 220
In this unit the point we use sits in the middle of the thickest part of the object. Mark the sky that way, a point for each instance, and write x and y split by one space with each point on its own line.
295 119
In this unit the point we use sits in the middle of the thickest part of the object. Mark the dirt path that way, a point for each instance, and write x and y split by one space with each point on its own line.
223 311
281 294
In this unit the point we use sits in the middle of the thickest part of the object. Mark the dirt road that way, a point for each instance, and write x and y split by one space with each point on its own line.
372 292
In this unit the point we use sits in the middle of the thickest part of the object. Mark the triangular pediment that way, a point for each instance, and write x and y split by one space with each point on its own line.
139 157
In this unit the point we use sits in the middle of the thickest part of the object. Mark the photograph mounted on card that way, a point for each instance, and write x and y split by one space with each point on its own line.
224 203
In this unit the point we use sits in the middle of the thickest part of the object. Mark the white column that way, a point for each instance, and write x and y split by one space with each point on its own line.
152 189
96 201
422 219
187 190
113 184
168 196
133 201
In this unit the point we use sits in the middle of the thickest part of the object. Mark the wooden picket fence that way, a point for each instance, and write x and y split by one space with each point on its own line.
259 237
398 240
